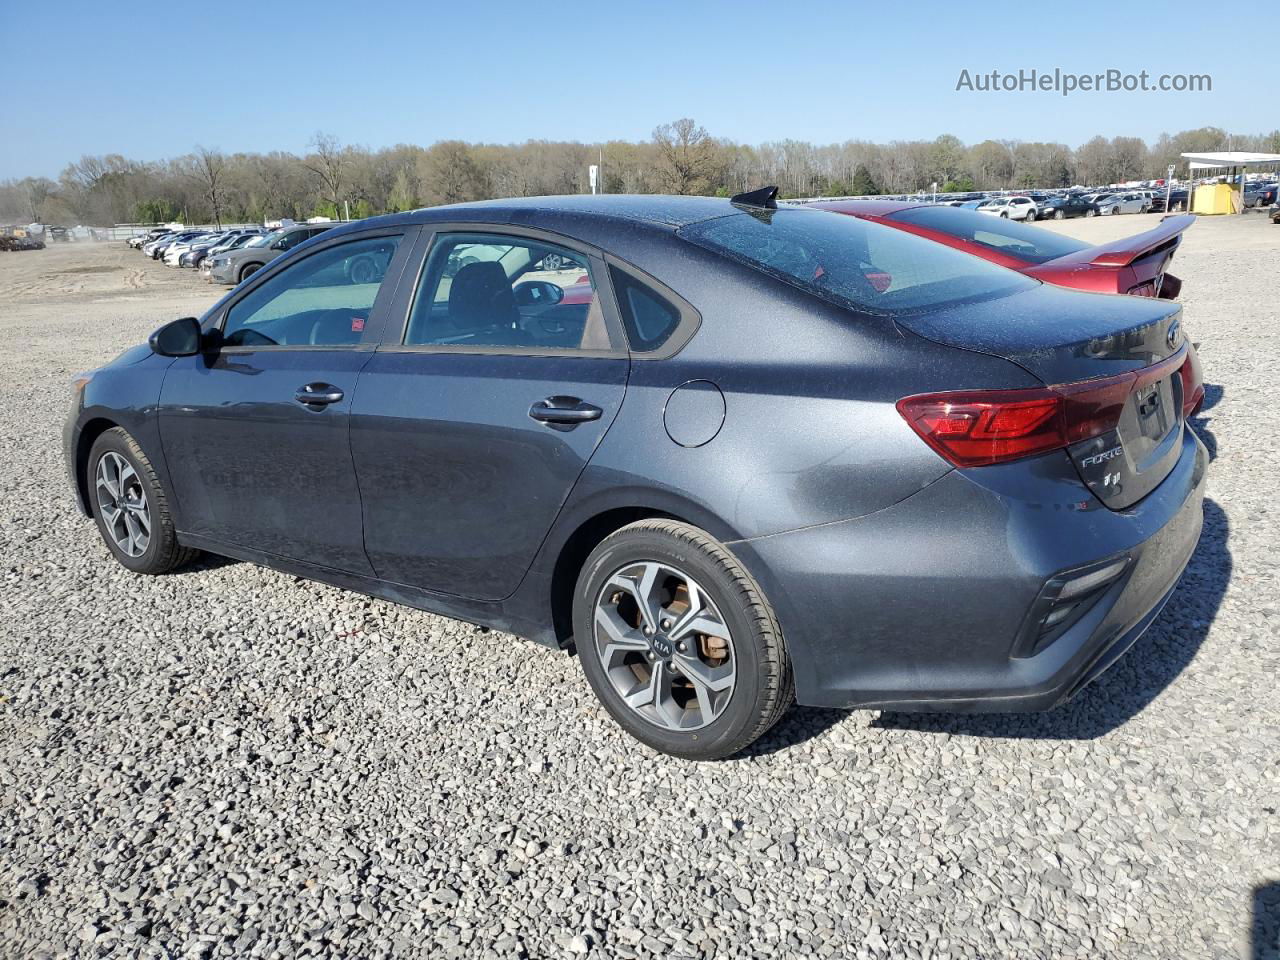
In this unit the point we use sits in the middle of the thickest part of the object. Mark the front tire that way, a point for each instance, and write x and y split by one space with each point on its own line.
131 507
248 270
678 641
1059 215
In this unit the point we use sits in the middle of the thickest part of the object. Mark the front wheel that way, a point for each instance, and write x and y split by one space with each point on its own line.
1004 214
1059 214
131 507
678 641
248 270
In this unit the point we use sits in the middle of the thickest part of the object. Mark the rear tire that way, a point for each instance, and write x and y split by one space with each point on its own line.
131 507
712 674
1091 212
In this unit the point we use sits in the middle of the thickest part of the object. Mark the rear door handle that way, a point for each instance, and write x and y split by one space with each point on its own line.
318 394
568 410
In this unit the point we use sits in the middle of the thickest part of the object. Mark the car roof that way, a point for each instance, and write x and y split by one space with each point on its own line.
583 210
869 208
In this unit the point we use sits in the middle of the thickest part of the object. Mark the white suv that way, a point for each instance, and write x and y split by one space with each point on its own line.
1011 208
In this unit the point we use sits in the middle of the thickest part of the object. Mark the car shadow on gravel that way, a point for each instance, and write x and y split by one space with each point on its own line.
1264 930
209 561
1212 394
796 726
1141 675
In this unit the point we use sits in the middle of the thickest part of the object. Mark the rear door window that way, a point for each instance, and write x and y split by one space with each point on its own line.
507 292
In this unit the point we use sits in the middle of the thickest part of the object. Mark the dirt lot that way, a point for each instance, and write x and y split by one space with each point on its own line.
230 762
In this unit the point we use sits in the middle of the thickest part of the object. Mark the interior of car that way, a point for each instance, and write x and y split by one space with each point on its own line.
486 291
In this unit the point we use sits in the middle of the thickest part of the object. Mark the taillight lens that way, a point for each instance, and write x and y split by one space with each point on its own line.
984 427
1192 385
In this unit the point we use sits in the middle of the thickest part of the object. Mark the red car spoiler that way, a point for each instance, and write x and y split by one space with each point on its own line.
1121 253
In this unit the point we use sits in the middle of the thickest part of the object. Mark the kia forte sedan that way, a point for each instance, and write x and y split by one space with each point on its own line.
732 455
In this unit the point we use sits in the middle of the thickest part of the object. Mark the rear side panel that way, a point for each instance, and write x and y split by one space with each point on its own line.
920 606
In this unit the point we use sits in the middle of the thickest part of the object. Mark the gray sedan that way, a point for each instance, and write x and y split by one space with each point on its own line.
232 266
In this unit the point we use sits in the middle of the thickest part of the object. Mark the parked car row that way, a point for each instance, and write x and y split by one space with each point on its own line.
12 242
1044 205
224 256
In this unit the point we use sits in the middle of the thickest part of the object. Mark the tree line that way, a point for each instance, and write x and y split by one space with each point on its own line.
336 179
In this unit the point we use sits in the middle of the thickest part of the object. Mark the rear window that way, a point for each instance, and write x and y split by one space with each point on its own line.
1027 243
854 263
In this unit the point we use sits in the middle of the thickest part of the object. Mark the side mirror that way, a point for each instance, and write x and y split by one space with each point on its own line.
537 293
178 338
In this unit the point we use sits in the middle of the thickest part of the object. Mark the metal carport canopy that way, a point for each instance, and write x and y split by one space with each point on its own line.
1232 158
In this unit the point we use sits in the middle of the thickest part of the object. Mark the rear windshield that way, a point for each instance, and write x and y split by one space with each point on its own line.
854 263
1012 237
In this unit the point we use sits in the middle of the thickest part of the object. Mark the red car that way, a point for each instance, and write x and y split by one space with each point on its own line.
1136 265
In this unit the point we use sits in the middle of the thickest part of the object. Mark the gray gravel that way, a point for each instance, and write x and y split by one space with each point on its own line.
231 762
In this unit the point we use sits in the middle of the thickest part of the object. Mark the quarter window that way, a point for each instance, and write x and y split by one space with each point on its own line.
649 318
322 300
486 290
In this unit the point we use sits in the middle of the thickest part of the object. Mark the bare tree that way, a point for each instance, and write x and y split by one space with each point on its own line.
206 169
450 173
686 156
328 162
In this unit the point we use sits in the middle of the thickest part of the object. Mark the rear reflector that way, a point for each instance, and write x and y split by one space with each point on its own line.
984 427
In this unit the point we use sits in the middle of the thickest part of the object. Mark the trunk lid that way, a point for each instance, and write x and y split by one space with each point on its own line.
1109 353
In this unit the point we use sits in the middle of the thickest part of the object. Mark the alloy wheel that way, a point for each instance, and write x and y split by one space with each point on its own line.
122 501
664 646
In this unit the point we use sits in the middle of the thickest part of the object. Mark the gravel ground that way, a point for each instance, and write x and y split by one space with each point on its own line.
231 762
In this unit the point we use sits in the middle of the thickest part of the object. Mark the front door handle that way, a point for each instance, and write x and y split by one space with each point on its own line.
567 410
318 394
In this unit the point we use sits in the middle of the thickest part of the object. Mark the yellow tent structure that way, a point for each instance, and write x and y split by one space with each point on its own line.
1217 198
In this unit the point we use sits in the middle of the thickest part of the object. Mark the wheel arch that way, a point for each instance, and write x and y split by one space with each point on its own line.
90 431
573 553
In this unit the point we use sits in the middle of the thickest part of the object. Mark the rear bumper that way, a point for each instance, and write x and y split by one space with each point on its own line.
922 606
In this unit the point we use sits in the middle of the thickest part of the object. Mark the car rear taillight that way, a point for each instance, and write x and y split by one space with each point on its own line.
1147 289
983 427
1192 386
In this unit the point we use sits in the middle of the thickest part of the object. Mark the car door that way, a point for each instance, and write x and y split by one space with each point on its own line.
479 411
255 430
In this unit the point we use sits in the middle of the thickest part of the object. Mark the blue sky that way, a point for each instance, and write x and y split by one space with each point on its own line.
380 73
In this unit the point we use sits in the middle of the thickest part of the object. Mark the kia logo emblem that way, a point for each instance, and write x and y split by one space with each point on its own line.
661 647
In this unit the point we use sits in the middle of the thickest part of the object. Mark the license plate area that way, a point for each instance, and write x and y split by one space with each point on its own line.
1123 465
